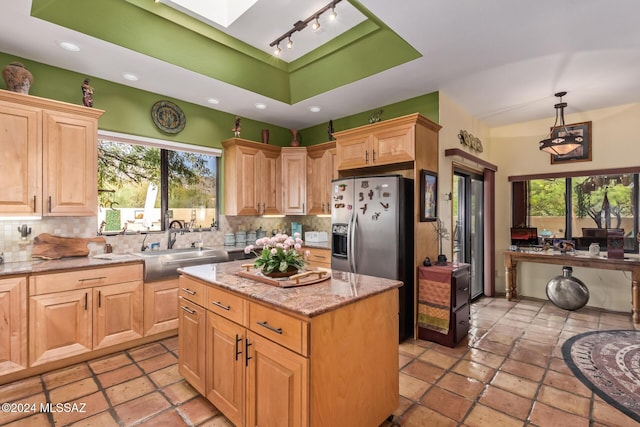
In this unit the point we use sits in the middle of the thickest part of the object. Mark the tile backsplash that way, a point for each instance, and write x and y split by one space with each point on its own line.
17 250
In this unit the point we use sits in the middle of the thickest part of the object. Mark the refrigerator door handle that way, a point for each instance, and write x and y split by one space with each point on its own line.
352 248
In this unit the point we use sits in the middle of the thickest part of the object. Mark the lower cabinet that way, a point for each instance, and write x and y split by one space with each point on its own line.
160 306
13 324
76 312
191 343
255 363
318 257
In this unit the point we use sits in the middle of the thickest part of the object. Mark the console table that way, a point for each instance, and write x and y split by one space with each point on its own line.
511 259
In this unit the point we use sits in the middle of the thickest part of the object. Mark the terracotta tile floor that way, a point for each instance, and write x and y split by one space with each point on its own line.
509 372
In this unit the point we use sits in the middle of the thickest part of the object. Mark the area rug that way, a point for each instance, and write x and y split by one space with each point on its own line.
608 362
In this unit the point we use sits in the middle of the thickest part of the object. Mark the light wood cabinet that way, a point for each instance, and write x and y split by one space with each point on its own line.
50 166
383 143
294 180
318 257
321 169
252 178
277 386
13 324
261 362
77 312
160 306
118 314
225 367
191 343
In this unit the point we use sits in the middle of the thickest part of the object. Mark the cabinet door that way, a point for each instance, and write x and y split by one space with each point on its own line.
118 314
318 257
355 152
294 180
245 199
70 185
191 343
394 145
225 367
160 306
268 179
13 325
20 160
277 385
59 325
318 182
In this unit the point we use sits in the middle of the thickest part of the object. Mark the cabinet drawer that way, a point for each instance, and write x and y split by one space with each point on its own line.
193 291
278 327
82 279
225 304
460 323
319 257
460 292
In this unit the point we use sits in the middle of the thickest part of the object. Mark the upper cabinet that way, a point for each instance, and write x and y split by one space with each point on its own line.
252 178
294 180
389 142
321 169
50 165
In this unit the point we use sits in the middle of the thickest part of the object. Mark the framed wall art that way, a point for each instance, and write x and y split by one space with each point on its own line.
580 154
428 196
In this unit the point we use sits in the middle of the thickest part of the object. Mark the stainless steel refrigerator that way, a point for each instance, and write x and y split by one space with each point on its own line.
372 233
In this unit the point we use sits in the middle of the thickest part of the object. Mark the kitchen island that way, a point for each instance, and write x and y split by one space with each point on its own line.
324 354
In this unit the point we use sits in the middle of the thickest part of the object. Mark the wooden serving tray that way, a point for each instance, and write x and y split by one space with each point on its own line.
47 246
300 279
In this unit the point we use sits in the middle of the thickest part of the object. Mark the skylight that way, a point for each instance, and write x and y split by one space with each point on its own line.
221 12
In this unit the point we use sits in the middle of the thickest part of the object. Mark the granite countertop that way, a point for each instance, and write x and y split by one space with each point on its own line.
311 300
42 266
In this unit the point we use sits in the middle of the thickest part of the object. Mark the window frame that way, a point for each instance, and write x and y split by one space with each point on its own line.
520 183
164 146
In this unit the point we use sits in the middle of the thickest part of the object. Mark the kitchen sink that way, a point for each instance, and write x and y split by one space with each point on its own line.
164 264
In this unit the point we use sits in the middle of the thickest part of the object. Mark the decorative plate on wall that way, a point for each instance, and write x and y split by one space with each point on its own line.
168 117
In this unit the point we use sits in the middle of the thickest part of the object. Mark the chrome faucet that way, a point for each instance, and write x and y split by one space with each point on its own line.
172 239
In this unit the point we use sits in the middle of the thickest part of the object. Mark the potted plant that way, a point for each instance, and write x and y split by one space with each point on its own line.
281 255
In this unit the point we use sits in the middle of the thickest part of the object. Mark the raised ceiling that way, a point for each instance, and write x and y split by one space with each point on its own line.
500 60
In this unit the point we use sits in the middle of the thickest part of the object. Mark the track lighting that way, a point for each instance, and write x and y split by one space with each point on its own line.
300 25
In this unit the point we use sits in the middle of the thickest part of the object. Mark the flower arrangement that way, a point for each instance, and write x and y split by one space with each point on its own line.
280 253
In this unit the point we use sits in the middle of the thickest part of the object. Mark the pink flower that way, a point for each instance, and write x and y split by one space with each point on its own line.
248 249
296 235
298 247
274 251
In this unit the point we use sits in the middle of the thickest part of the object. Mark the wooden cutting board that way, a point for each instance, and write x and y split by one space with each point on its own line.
48 246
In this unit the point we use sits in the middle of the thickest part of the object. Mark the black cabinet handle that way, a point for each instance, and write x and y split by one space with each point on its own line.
99 299
34 204
271 328
246 352
238 351
86 300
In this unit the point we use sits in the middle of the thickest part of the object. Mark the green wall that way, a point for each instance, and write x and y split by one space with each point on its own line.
128 110
427 105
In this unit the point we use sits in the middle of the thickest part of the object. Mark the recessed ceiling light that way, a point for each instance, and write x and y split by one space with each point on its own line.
213 101
130 76
314 109
260 106
71 47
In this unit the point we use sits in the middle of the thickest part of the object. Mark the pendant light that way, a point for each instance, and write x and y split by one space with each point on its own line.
564 142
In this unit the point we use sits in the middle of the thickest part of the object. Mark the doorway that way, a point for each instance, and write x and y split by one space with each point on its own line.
468 220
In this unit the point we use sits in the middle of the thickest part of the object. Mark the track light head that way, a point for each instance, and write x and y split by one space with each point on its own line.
289 43
316 24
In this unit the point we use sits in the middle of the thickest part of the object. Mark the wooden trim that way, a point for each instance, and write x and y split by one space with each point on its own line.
412 119
566 174
58 106
461 153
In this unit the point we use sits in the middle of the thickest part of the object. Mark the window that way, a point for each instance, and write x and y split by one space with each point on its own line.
580 207
150 185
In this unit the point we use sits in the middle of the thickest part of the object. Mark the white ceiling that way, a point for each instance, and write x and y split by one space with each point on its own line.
501 60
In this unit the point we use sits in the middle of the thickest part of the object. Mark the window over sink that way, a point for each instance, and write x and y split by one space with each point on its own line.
147 184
